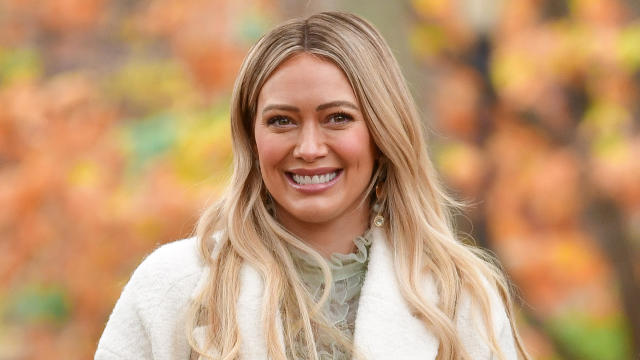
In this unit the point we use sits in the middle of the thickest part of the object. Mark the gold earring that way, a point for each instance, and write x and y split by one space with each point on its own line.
378 220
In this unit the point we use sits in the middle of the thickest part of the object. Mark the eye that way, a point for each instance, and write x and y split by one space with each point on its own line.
339 118
279 121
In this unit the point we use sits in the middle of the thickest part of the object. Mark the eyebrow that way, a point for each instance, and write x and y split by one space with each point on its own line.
319 108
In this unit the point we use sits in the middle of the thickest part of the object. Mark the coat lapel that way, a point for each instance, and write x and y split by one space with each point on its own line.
384 329
249 314
253 342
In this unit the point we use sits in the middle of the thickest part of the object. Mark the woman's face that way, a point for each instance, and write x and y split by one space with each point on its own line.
315 152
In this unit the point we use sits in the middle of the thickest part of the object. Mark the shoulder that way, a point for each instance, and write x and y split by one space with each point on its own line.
169 263
173 266
148 319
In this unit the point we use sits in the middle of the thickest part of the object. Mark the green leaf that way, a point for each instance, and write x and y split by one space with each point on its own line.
39 304
19 65
150 138
593 338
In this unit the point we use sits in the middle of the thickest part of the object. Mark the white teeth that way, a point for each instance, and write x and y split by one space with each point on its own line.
315 179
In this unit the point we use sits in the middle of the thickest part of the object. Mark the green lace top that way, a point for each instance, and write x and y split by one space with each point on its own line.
348 272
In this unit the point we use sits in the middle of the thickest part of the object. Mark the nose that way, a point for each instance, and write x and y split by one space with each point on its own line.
311 143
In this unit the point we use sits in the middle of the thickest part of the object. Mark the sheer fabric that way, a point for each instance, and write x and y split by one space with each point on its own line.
348 272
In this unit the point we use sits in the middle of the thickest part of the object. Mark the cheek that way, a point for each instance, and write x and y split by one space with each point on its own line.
359 149
270 152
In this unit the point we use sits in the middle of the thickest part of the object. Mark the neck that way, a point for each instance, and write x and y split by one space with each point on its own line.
335 236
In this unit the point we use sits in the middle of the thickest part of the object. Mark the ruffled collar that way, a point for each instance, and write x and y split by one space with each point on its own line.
342 266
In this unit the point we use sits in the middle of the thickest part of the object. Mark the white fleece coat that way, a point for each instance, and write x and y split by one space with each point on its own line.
148 321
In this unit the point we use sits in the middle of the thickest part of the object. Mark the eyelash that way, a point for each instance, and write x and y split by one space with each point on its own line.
346 116
274 119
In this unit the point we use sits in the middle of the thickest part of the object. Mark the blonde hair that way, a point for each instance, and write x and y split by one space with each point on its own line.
419 225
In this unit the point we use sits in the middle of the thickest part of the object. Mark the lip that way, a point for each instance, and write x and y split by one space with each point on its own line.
313 188
314 171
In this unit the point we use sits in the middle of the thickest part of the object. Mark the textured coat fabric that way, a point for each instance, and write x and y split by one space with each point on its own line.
148 321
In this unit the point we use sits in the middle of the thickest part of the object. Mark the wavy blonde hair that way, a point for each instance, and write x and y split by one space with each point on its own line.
419 225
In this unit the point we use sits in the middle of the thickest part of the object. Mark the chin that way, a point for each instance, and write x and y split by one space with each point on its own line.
312 216
308 213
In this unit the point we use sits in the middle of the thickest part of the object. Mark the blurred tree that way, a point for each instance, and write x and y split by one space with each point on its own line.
113 136
538 108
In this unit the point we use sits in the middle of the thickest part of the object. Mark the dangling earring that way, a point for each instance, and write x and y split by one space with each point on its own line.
378 220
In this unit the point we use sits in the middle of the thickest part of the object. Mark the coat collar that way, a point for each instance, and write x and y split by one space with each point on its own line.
385 327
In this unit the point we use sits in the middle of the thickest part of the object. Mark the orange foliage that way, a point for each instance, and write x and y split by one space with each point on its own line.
70 15
208 48
81 204
539 125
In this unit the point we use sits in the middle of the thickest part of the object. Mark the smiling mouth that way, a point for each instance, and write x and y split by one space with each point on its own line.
313 179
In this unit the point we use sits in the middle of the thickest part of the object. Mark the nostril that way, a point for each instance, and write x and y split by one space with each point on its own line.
309 150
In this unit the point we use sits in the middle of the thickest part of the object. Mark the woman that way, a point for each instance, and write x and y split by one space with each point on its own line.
333 240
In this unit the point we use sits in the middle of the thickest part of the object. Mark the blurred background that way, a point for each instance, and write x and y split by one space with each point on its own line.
114 135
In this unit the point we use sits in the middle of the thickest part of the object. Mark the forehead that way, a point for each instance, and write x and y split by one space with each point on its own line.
306 77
